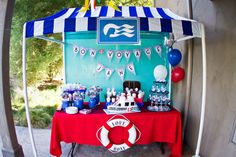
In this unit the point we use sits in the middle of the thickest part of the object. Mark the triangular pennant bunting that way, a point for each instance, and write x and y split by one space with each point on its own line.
85 7
75 49
92 53
131 68
110 55
148 52
137 54
127 54
119 55
82 51
121 73
109 72
99 68
158 50
113 5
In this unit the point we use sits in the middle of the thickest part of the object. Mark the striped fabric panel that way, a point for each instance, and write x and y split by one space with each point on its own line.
140 12
126 11
38 28
147 12
154 24
61 24
96 12
103 12
110 12
163 13
155 13
151 19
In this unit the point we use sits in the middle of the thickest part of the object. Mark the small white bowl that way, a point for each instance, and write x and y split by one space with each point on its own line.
71 110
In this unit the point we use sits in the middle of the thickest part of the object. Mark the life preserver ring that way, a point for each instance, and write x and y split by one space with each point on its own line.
114 123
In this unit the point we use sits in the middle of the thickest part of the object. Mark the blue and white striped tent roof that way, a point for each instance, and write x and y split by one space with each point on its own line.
151 19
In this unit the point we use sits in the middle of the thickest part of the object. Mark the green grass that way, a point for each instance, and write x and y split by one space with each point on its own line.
42 105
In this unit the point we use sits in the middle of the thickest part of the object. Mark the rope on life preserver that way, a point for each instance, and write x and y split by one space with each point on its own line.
111 123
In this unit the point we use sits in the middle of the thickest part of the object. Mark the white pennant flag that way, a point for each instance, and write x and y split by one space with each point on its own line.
108 73
99 68
137 54
82 51
158 50
75 49
121 73
110 54
92 53
148 52
131 68
127 54
119 55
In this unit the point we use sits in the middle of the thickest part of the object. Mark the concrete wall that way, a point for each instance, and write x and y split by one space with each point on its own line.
218 17
178 7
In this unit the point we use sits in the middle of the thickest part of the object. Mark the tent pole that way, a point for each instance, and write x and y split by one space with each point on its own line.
64 58
51 40
189 73
204 68
26 93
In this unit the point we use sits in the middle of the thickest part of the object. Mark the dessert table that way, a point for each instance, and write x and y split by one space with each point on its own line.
81 129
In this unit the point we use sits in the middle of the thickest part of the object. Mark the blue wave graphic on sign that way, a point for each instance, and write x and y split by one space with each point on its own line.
118 31
125 30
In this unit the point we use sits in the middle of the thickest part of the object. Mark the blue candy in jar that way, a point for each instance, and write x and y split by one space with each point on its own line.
65 104
92 102
79 103
108 102
97 99
65 100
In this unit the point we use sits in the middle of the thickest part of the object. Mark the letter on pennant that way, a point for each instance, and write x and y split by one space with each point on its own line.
131 68
99 67
75 49
121 73
127 54
137 54
158 50
110 54
108 73
92 53
82 51
119 55
148 52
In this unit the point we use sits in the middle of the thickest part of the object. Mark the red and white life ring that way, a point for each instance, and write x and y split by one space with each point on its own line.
114 123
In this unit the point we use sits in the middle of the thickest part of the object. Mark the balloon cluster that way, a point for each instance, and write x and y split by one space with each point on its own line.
177 73
174 57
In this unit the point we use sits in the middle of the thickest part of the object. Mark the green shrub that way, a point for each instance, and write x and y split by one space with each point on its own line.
40 116
42 106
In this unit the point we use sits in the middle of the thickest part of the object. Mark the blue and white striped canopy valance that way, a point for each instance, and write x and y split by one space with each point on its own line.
151 19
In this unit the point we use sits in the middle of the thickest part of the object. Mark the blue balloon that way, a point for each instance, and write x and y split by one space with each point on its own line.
174 57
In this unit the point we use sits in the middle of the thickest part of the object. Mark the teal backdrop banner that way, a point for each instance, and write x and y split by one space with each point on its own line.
82 69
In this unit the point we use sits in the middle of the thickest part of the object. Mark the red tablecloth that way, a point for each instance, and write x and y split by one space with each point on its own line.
81 129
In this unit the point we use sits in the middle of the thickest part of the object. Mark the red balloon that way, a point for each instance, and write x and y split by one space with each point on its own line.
177 74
